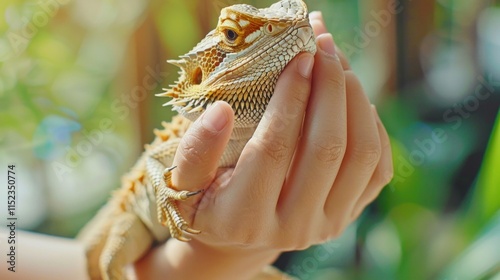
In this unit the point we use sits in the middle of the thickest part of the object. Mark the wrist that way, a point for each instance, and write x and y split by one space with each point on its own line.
223 262
196 260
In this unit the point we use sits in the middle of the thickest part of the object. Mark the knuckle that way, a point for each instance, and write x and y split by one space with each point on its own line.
329 148
366 153
191 149
295 240
387 176
336 231
388 168
299 237
382 178
324 236
336 81
302 245
249 239
337 224
280 120
274 147
299 95
377 184
370 197
355 215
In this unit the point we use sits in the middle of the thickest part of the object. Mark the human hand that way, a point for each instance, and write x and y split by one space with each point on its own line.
290 191
39 256
317 158
383 172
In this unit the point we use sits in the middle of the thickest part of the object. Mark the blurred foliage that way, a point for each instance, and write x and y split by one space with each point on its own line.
76 106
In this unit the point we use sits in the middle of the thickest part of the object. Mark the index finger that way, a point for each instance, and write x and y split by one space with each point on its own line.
265 159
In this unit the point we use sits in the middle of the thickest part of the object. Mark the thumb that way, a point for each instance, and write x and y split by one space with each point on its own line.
201 148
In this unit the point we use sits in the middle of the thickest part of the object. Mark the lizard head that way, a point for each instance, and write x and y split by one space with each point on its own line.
240 61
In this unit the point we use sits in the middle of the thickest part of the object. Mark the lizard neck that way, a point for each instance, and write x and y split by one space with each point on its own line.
243 133
237 142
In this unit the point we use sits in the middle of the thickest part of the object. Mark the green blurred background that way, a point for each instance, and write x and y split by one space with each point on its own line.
77 80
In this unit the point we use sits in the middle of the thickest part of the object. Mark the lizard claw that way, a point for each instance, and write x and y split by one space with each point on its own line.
169 169
192 231
168 212
183 239
194 193
177 195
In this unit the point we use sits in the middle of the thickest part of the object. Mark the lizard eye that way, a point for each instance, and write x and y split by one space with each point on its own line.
231 35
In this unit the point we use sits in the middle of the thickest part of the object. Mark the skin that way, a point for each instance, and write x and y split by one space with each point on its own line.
317 159
43 257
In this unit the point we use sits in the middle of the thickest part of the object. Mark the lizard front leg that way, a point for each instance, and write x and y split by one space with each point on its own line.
113 240
166 194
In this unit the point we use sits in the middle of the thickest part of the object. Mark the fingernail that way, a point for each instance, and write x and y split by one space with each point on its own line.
326 43
214 119
305 65
316 15
317 26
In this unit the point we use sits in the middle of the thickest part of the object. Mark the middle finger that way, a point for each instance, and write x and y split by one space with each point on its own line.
361 157
323 142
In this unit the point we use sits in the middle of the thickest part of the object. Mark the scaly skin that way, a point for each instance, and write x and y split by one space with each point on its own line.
239 62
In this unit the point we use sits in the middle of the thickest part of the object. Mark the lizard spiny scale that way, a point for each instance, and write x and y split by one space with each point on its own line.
241 65
238 62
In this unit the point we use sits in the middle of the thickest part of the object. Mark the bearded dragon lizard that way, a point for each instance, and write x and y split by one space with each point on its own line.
239 62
